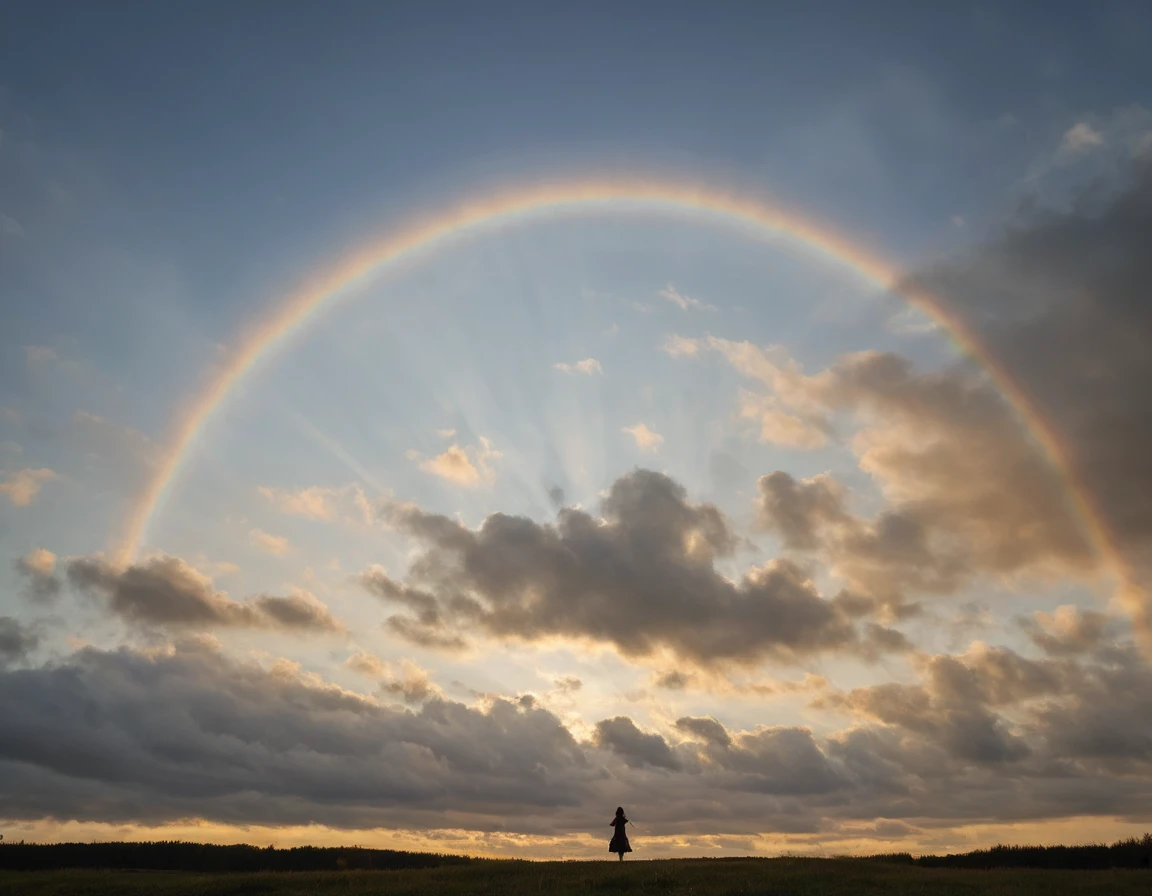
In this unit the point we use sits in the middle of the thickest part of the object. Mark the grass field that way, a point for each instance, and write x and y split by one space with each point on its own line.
701 877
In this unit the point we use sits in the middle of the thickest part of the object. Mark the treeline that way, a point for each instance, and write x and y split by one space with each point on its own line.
1134 852
179 856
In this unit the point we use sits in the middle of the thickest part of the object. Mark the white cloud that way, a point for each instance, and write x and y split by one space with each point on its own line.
273 544
587 367
912 322
646 439
1079 139
682 301
446 433
22 487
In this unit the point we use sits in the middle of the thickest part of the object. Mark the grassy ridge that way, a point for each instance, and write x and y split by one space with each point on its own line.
176 855
1134 852
673 877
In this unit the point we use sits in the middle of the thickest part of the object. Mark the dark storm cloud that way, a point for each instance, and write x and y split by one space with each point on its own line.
168 592
184 731
1064 300
17 640
642 578
132 735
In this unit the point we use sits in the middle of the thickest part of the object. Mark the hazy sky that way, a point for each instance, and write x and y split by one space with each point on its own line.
626 503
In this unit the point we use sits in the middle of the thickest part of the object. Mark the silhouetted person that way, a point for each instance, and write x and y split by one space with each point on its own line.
619 844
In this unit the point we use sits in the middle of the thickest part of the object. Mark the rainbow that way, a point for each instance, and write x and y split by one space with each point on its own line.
329 286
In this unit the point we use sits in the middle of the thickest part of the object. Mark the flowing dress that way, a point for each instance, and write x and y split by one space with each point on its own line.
619 839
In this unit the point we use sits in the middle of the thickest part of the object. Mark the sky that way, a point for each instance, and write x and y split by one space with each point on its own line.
809 516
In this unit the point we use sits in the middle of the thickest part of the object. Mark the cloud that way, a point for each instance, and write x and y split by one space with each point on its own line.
641 578
798 511
966 492
1079 139
453 465
684 302
266 744
183 731
22 487
587 367
568 684
680 346
324 504
1068 630
635 747
39 354
39 568
271 544
411 683
993 707
469 467
406 679
645 439
1059 299
368 664
781 427
17 641
706 729
299 611
168 593
911 321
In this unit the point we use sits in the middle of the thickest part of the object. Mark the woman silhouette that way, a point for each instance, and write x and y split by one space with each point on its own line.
619 842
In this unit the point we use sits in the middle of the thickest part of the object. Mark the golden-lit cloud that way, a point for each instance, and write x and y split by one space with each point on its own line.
324 504
682 301
270 544
681 346
645 438
22 487
587 367
468 466
39 561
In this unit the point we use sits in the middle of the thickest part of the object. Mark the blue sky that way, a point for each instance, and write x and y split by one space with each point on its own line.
169 173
